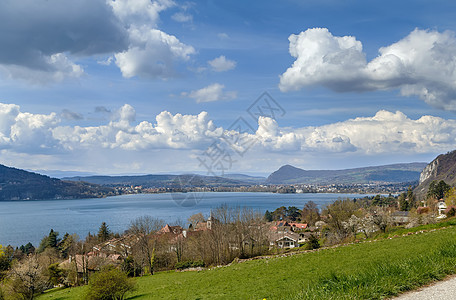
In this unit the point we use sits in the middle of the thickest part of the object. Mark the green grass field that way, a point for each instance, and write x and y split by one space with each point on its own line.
370 270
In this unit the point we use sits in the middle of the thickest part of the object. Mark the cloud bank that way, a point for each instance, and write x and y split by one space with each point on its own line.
422 64
46 42
385 132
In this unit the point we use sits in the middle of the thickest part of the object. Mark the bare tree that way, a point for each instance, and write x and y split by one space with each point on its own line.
27 277
142 228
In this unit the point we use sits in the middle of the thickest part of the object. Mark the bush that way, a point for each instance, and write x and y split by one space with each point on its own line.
109 284
313 243
451 212
189 264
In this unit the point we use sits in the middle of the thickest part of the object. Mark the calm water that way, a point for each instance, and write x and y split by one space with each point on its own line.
28 221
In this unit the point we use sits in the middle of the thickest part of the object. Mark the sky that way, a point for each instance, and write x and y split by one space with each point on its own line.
218 87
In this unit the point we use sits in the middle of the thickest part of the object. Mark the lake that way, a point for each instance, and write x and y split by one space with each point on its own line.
29 221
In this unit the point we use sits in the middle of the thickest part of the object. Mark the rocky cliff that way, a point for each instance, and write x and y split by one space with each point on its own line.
441 168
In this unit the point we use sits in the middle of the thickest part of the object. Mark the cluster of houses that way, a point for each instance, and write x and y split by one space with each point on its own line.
280 234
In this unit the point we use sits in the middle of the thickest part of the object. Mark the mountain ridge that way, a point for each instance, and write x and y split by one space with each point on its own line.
394 173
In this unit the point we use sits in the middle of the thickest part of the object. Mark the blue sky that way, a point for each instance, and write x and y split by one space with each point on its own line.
140 86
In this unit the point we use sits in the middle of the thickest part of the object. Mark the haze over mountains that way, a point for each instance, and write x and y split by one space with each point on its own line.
18 184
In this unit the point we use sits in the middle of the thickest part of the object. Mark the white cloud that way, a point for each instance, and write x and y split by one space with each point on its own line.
182 17
386 132
59 68
221 64
61 38
211 93
126 31
422 64
25 136
140 12
152 53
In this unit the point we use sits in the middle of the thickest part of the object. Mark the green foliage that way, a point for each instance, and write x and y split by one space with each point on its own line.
268 216
56 274
347 272
109 284
189 264
437 190
313 243
451 212
49 241
104 233
291 214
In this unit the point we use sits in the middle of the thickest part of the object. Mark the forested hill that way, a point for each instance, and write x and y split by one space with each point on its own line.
16 184
395 173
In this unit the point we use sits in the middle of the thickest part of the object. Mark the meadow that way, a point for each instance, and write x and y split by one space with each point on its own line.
375 269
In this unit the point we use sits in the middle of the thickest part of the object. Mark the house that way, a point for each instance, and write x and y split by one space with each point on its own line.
400 217
441 206
298 226
284 240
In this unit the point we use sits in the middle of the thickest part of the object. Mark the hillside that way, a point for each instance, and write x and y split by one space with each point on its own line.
392 266
443 167
395 173
16 184
158 181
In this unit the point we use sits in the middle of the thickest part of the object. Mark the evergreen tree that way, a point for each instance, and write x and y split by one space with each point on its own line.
268 216
53 239
104 232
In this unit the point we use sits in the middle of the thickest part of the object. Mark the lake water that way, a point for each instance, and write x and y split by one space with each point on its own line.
29 221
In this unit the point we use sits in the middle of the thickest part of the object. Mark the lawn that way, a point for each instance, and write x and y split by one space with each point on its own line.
370 270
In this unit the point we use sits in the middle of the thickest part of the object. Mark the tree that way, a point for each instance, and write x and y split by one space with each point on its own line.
27 278
109 284
403 203
142 228
338 212
55 274
268 216
437 190
450 197
195 219
104 233
310 213
411 198
49 241
313 243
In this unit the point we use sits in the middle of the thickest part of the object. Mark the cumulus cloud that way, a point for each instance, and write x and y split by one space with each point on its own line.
211 93
152 53
386 132
422 64
64 28
221 64
125 31
24 134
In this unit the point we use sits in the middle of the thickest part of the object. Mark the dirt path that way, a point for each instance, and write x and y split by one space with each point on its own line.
442 290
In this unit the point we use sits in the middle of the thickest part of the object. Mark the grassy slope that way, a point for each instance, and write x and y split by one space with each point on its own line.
371 270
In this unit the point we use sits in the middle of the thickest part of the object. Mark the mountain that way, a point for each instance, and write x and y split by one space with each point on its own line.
395 173
159 181
16 184
443 167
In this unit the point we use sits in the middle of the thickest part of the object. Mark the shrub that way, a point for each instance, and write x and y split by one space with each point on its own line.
450 211
189 264
109 284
